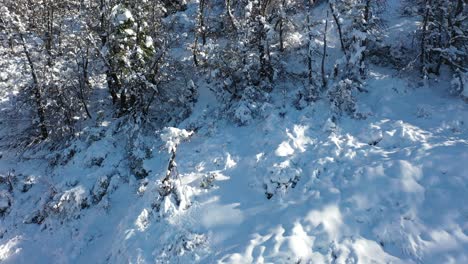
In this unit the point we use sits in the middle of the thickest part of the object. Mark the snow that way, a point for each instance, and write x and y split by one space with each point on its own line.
291 186
4 76
173 136
121 15
10 248
399 199
4 202
465 92
284 149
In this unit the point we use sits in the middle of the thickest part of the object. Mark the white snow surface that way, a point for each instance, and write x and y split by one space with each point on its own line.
391 188
290 187
173 136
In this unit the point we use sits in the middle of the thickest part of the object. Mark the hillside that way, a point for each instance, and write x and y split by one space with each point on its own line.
272 180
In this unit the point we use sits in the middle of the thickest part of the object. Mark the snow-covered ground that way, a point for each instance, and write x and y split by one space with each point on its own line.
291 187
391 188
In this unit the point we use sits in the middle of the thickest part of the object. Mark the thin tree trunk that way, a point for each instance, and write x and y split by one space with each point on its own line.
195 52
441 57
83 101
338 25
103 23
324 78
281 35
309 46
423 39
37 92
367 14
281 25
230 15
260 39
200 32
85 83
202 21
459 8
123 101
49 33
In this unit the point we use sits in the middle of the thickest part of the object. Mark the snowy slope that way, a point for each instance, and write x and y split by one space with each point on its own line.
292 187
402 199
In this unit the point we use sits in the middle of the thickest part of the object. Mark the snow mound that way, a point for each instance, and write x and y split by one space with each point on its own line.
173 136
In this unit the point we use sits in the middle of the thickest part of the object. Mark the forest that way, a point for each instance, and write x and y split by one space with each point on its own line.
233 131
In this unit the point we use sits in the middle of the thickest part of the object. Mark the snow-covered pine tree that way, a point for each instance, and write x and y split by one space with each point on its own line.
360 29
313 49
358 26
258 63
130 51
200 32
443 39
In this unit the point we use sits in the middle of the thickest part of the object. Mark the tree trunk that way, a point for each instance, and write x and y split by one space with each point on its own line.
123 101
324 78
367 15
338 25
36 91
85 83
195 52
230 15
200 31
263 50
459 7
422 58
113 84
281 25
202 21
309 46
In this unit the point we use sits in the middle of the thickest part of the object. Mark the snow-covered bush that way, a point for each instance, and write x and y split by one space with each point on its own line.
5 202
359 32
173 136
182 248
397 55
342 96
26 183
281 176
100 189
68 204
173 196
8 181
139 149
252 105
171 6
459 84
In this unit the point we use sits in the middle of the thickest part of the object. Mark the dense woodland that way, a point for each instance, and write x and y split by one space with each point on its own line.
66 48
233 131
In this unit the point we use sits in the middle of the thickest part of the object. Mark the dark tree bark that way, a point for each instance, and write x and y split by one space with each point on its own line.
338 25
84 82
281 25
423 53
324 77
310 40
36 91
265 66
230 15
367 16
202 21
200 31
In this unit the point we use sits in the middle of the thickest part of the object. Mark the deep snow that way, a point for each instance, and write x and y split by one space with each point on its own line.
292 187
